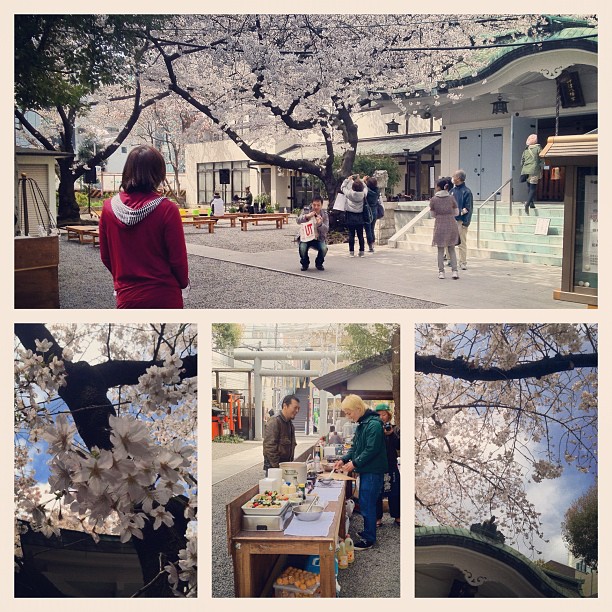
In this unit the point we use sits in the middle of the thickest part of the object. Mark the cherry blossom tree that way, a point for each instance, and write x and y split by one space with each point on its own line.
169 124
497 407
62 63
114 408
260 78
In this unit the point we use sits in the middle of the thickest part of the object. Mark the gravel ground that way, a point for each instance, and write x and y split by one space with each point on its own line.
375 573
86 283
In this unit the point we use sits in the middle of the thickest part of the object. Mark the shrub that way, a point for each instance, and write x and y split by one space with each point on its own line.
229 439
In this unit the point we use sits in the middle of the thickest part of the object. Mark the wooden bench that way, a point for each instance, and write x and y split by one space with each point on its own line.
82 233
231 217
279 219
198 222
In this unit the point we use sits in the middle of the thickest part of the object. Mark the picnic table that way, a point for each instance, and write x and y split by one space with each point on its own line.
83 233
231 217
258 556
279 218
198 222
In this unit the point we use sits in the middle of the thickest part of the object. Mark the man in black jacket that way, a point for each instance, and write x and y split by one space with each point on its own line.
279 440
465 203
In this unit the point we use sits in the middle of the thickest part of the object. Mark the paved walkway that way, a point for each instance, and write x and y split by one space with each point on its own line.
486 284
249 456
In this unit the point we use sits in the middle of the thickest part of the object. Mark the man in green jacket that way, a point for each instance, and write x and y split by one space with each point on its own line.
279 440
368 457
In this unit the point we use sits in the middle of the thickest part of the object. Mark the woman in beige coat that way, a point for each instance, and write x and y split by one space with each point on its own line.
444 209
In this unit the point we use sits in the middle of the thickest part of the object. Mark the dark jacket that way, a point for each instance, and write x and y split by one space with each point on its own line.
368 452
392 445
279 441
464 199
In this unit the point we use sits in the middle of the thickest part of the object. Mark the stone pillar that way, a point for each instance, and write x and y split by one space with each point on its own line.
385 227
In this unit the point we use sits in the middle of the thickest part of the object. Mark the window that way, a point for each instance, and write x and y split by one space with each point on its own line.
209 180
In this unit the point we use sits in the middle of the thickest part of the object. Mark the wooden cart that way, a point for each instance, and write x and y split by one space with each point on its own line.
259 557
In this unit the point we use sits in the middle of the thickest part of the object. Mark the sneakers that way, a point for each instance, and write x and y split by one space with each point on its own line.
463 266
370 248
526 208
363 545
320 267
304 268
352 253
441 275
361 253
455 275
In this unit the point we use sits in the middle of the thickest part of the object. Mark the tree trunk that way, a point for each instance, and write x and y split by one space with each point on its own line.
68 209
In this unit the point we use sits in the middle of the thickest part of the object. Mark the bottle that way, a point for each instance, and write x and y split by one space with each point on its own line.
341 556
302 491
350 549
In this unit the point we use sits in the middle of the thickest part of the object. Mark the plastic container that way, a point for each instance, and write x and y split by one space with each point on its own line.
275 473
269 484
288 590
350 549
341 555
294 471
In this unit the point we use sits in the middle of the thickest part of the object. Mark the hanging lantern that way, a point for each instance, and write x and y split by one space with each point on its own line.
555 173
500 106
392 126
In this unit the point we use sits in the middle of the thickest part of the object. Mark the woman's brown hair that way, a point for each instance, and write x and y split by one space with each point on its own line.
358 185
144 170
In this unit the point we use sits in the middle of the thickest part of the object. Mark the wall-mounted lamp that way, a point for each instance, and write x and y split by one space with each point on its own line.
392 127
500 106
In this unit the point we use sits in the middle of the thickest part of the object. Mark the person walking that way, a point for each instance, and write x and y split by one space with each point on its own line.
465 202
321 219
531 165
356 192
141 237
444 210
392 445
367 456
370 210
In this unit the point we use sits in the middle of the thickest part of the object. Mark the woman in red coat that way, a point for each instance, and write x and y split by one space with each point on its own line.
141 237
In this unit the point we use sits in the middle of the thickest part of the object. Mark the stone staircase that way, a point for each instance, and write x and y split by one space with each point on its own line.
514 240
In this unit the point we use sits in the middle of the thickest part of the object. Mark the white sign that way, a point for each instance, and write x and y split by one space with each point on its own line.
541 227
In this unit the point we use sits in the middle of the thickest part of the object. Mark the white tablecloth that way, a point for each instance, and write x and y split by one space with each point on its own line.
310 528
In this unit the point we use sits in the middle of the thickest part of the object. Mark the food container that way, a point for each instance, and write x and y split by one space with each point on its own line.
275 510
296 499
288 590
314 514
294 472
295 582
269 484
275 473
267 523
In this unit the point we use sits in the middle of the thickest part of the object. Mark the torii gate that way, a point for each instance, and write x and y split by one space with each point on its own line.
258 356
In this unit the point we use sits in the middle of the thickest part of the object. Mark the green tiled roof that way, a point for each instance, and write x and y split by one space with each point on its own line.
491 60
548 582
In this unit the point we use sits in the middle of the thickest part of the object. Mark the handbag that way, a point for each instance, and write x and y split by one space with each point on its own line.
340 202
524 178
380 210
308 231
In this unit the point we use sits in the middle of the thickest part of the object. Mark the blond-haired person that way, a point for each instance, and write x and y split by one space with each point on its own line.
368 457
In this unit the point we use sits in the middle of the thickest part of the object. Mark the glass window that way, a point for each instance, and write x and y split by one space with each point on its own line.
586 242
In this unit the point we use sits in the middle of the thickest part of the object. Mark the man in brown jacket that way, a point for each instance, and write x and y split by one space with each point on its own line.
279 441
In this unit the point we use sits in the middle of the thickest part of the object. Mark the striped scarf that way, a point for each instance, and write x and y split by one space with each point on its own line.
128 215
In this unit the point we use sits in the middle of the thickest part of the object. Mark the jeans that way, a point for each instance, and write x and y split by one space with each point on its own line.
369 229
393 496
531 192
319 246
351 238
370 487
453 258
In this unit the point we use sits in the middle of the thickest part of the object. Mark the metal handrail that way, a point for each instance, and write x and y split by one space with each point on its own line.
494 196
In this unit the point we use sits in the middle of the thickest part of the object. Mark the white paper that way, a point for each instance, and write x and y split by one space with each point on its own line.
310 528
